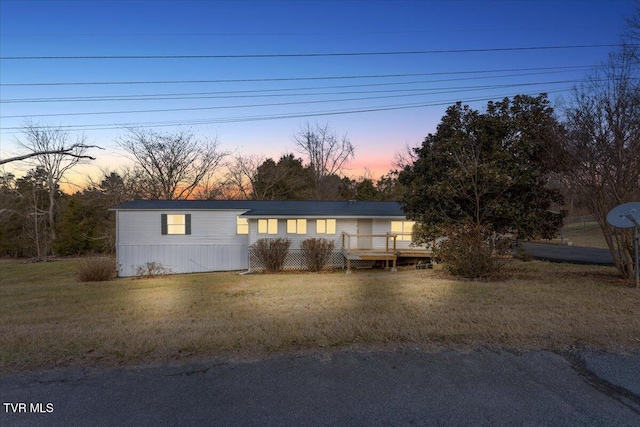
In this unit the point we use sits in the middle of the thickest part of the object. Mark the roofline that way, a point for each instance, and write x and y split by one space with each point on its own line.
177 209
247 215
328 216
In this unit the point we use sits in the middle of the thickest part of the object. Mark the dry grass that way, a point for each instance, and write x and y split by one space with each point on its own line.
96 269
48 319
588 234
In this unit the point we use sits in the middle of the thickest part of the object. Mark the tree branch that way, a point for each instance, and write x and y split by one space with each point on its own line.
63 151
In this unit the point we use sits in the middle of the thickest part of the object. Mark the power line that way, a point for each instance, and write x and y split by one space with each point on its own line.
285 79
111 126
255 92
413 93
298 34
309 55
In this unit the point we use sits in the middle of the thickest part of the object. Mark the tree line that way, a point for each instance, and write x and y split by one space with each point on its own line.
39 219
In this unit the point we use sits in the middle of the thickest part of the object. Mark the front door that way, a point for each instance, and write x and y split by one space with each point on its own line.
365 226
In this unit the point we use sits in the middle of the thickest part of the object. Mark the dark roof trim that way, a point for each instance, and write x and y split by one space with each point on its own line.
270 208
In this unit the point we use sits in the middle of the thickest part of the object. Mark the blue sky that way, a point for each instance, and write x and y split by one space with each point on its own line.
255 104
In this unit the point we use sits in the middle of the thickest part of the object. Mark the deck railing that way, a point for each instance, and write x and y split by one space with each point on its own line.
390 241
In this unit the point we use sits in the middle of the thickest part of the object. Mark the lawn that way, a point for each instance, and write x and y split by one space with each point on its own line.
48 319
586 234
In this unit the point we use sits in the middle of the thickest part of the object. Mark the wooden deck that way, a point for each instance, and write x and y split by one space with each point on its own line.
368 255
390 253
414 253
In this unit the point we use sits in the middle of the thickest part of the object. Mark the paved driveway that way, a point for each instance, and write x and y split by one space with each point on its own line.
345 388
570 254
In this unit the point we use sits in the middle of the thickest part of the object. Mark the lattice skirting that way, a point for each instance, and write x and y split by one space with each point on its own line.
295 261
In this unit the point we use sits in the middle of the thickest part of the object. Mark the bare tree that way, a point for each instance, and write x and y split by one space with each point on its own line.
54 152
632 31
326 152
405 157
241 174
173 165
604 141
118 186
64 151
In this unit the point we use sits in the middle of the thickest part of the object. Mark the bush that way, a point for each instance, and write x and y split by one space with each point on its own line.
316 253
472 251
271 253
152 269
522 254
96 269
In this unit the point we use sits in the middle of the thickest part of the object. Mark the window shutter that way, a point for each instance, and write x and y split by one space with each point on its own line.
187 224
164 223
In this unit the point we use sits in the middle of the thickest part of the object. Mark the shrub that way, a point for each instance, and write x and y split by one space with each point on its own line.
316 253
472 251
522 254
271 253
152 269
96 269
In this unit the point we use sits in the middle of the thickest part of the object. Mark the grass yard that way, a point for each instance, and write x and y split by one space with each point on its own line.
48 319
588 234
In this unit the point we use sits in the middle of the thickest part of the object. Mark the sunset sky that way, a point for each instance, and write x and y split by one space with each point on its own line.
251 73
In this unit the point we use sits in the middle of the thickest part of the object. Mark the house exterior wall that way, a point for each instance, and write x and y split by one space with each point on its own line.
347 225
383 226
294 259
213 244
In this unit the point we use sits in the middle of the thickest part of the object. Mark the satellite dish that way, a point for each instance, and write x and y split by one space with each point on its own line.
627 215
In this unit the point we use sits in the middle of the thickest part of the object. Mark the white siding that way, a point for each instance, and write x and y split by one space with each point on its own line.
207 227
347 225
183 258
383 226
213 244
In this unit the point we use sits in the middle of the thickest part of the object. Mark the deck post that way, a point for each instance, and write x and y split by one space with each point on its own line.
348 265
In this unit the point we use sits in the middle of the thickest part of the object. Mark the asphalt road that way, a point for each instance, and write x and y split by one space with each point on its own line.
475 388
569 254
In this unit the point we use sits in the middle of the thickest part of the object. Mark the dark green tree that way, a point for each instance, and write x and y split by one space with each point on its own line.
365 190
487 170
287 179
85 224
24 208
389 187
13 241
73 228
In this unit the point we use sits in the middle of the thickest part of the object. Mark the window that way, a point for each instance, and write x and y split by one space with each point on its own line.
242 225
403 229
297 226
268 226
176 224
326 226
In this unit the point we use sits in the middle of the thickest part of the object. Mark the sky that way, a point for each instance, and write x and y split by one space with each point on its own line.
252 73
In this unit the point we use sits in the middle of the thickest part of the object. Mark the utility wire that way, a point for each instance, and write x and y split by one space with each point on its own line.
111 126
307 55
413 93
285 79
254 92
298 34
